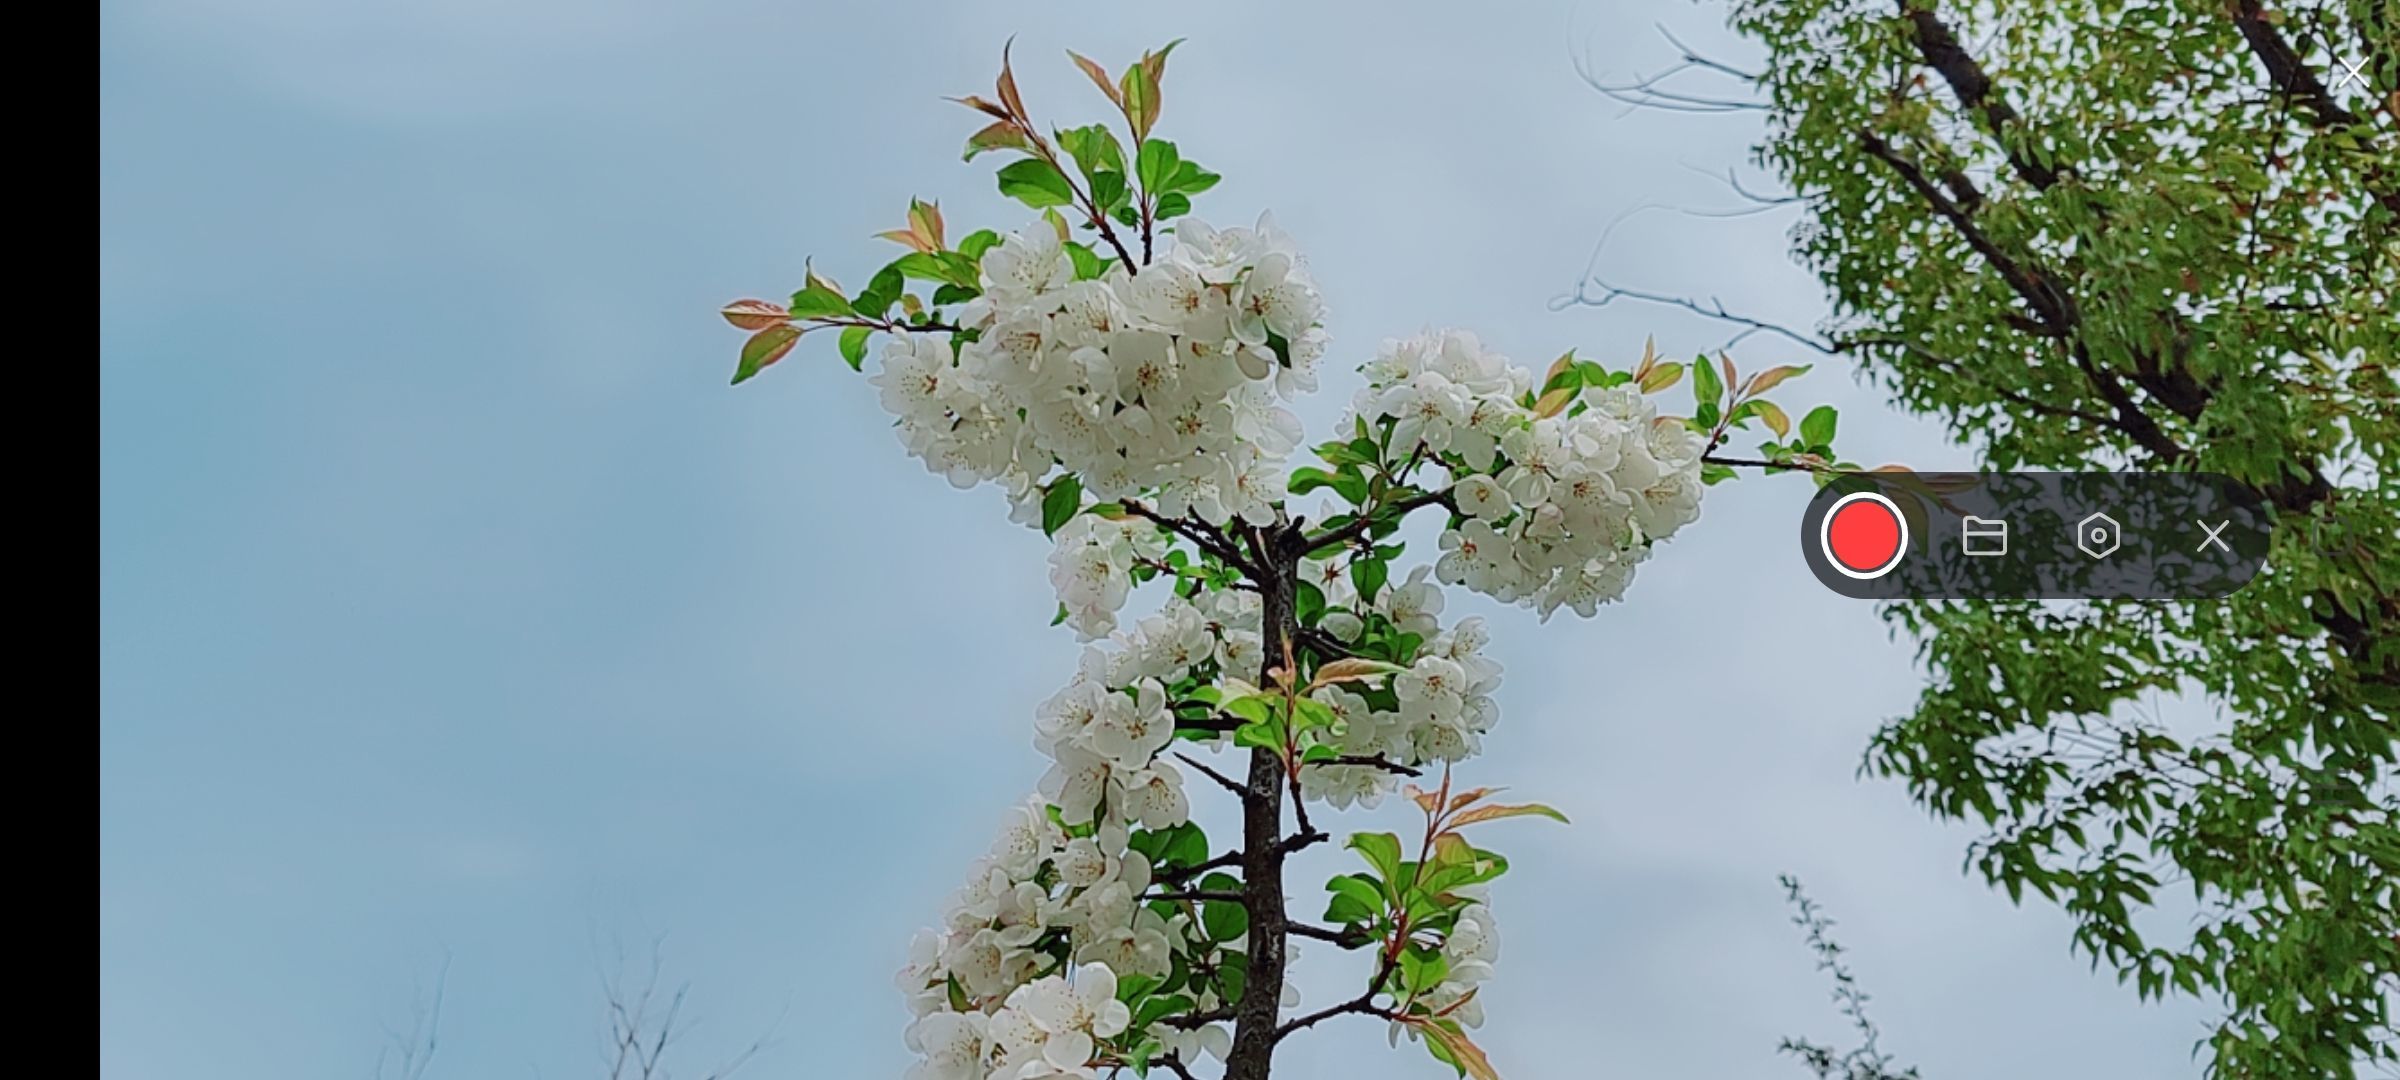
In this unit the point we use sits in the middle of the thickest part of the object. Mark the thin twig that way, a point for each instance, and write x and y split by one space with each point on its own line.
1714 309
1372 761
1224 781
1352 938
1196 895
1366 522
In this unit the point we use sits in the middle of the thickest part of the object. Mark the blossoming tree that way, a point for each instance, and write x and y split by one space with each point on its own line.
1117 369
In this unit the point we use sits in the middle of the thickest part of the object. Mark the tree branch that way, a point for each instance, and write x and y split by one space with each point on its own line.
2291 75
2027 401
1715 309
1353 938
1198 532
2053 308
892 326
1645 92
1366 521
1301 841
1223 781
1180 874
1189 1021
1373 761
1195 895
1973 88
1323 644
1363 1003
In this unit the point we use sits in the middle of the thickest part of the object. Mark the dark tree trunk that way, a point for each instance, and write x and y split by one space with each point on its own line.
1256 1014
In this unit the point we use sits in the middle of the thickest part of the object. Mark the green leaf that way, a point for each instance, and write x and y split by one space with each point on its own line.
1267 736
1422 969
1351 484
1089 265
1060 617
1308 479
1094 148
974 244
1183 845
1356 899
1255 708
1233 972
882 291
1382 851
854 345
919 265
1308 603
1156 165
1191 179
1109 191
1224 920
1139 90
1707 387
1369 575
1816 429
1060 501
819 301
763 349
1036 183
1172 205
1773 416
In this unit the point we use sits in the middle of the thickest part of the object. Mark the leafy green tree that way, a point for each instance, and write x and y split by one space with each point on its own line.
2092 234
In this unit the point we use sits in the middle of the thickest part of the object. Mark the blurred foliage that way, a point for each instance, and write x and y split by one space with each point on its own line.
2092 234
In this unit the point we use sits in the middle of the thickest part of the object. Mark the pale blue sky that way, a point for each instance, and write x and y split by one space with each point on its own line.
450 601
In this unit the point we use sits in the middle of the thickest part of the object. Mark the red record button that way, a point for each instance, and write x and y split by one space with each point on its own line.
1863 536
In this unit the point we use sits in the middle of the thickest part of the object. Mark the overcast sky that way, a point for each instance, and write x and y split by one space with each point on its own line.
451 604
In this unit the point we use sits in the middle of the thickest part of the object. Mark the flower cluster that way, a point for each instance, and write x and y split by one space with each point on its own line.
1047 1028
1167 380
990 990
1062 886
1561 502
1434 713
1092 564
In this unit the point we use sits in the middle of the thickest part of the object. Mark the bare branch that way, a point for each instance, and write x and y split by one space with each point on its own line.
641 1029
1584 296
406 1055
1223 781
1179 874
1195 895
1353 938
1648 92
1733 181
1198 532
1372 761
1365 522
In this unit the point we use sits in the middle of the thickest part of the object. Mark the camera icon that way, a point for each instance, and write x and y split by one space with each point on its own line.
2098 535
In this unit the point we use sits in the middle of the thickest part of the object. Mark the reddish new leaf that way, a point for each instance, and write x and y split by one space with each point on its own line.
755 314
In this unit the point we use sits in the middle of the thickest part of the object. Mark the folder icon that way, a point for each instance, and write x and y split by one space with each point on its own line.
1983 536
